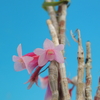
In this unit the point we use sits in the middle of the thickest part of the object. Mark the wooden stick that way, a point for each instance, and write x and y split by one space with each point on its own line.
53 80
63 83
80 84
53 17
52 67
62 70
62 12
88 94
53 71
53 32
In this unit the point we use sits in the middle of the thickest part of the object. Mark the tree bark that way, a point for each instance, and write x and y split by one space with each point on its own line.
88 94
80 58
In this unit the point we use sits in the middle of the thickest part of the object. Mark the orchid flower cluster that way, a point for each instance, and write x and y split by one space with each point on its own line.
36 60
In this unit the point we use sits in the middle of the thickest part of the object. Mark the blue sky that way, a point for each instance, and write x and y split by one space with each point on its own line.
24 21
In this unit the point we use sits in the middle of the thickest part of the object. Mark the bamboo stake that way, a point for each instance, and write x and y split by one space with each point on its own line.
88 94
97 97
53 17
62 71
80 84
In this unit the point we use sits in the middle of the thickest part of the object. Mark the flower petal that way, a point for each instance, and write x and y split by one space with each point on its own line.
59 57
31 54
42 59
15 58
48 44
59 47
19 50
39 51
44 81
18 66
31 66
34 78
48 95
27 60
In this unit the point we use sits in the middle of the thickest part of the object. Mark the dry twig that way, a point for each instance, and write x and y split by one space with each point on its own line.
80 84
53 18
62 71
88 94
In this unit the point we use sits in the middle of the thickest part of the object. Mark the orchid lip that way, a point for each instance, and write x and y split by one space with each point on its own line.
20 60
50 52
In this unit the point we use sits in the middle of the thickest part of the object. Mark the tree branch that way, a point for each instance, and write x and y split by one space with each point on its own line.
61 66
53 17
80 84
88 94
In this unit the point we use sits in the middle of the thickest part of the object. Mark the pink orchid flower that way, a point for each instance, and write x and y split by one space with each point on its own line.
45 83
34 78
49 53
28 61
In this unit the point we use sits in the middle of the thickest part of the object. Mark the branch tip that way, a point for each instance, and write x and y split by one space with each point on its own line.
49 21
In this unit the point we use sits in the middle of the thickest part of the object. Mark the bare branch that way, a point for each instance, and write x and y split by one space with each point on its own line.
53 80
62 12
80 84
53 71
73 37
88 94
53 18
61 67
53 32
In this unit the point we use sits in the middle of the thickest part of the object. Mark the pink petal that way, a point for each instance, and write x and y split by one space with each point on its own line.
31 66
50 57
15 58
31 54
44 81
59 57
59 47
48 94
42 60
39 51
48 44
26 60
19 66
19 50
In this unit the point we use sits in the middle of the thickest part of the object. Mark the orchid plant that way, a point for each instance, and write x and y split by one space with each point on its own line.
53 52
38 59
